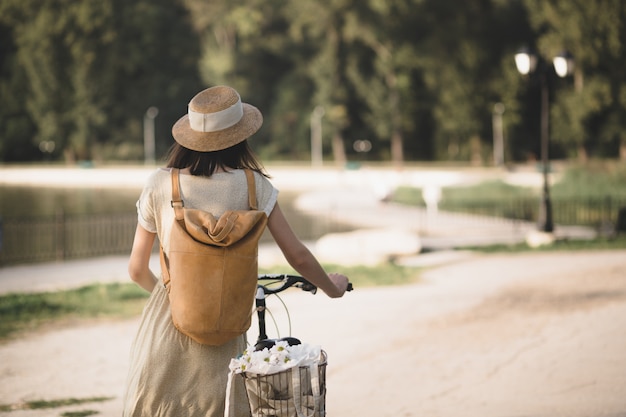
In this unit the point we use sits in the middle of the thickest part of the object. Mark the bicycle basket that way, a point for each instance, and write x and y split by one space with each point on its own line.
294 392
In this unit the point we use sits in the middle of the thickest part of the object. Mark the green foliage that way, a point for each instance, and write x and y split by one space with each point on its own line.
85 72
588 118
417 78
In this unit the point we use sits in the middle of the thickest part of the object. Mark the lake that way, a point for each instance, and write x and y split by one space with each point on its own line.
31 218
20 202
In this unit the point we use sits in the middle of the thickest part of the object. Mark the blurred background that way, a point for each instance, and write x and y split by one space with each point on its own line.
502 86
393 80
402 135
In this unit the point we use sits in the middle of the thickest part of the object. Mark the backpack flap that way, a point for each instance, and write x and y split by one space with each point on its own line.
228 229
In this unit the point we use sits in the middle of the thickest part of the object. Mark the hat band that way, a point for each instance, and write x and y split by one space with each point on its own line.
213 122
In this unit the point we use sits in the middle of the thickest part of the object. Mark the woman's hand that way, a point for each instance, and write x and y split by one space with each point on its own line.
341 282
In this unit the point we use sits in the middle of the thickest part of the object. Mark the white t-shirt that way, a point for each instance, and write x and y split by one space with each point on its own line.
216 194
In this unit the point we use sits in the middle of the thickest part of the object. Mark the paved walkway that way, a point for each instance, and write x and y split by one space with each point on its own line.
514 335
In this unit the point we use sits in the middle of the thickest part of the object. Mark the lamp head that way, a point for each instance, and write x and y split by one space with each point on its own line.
563 64
525 61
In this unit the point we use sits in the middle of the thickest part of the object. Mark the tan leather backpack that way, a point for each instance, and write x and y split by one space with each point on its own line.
210 271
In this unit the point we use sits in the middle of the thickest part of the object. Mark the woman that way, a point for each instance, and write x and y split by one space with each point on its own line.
170 374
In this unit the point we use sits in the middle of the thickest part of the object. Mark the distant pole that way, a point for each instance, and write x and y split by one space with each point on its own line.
149 146
316 136
498 135
545 214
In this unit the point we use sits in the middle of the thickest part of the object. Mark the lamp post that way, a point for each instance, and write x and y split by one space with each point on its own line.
563 64
149 145
316 136
498 135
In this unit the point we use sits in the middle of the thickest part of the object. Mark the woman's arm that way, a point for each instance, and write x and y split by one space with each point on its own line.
139 263
301 259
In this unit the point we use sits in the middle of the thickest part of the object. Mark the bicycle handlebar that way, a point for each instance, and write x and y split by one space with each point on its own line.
278 283
287 281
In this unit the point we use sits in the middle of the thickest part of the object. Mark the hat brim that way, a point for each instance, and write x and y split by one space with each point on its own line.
249 124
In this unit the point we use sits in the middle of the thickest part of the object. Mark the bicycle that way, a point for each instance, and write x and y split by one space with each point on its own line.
299 390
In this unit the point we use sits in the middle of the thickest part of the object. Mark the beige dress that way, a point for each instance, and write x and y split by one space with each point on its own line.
170 374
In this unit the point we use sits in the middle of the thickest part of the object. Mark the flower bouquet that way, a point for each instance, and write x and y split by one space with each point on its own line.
284 380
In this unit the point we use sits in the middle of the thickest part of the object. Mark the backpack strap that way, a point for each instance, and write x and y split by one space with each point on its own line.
251 189
177 202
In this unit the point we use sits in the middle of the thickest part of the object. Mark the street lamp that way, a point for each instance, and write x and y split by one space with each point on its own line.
563 64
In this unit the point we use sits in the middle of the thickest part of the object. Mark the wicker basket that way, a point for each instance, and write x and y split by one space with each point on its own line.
295 392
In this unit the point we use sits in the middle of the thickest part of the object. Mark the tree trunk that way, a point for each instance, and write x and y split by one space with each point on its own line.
583 156
397 153
339 153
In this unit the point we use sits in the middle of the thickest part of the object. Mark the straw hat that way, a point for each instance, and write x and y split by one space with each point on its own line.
216 119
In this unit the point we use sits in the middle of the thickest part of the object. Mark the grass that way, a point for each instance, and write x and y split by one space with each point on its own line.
588 195
615 243
366 276
485 191
64 402
34 311
23 312
593 180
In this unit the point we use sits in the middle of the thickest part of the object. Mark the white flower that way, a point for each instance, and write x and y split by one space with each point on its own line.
279 353
280 357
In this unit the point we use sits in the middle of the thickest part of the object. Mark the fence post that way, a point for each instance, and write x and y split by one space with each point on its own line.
59 235
1 239
620 223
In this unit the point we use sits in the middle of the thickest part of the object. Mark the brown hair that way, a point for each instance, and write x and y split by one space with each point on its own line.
206 164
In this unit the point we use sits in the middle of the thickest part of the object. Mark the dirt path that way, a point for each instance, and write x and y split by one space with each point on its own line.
499 335
547 338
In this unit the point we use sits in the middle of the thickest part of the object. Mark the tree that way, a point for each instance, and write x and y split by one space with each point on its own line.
37 32
417 78
322 27
92 68
384 79
16 126
464 67
593 115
